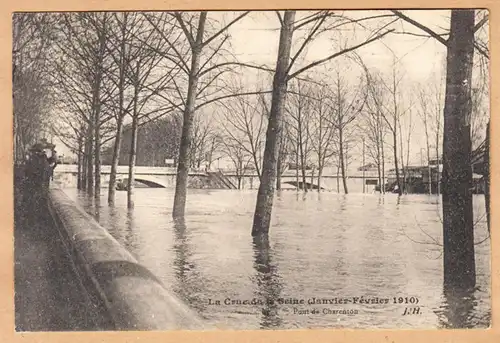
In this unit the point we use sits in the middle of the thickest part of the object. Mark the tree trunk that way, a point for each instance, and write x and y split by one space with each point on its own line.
427 145
97 154
379 153
303 167
79 161
320 173
312 179
341 160
265 195
438 158
97 109
181 181
90 155
395 150
364 182
458 228
379 171
278 177
402 157
119 125
486 175
114 162
429 170
278 169
133 141
84 167
382 152
131 161
338 176
297 167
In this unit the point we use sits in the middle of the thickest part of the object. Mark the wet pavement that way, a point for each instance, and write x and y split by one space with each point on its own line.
48 295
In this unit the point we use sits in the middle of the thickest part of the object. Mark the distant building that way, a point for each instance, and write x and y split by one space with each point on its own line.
157 144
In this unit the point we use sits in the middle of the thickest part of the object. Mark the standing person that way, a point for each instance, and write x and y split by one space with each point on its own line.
36 175
52 159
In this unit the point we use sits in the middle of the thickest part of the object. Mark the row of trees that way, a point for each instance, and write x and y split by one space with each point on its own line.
324 126
109 69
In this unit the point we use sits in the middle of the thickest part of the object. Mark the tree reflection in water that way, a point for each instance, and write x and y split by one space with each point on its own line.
129 237
268 282
97 208
189 281
457 310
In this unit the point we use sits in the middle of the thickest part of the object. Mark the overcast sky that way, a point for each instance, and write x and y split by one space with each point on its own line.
255 38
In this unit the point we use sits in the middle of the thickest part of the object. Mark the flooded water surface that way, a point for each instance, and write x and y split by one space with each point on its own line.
332 260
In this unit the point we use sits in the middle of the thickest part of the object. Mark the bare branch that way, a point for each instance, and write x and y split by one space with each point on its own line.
422 27
230 96
481 23
279 17
237 64
481 50
326 59
224 28
188 35
309 37
313 17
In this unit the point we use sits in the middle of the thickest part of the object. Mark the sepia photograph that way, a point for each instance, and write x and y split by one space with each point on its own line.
251 170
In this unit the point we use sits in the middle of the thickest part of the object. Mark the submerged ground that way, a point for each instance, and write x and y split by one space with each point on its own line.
322 246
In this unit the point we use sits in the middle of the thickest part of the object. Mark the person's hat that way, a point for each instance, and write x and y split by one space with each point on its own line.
37 147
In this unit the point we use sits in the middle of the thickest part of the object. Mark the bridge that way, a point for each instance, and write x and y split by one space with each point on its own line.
157 177
164 177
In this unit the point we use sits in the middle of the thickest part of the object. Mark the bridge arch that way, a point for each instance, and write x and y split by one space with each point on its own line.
149 183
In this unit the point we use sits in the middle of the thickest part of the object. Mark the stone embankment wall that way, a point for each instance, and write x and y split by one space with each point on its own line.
132 296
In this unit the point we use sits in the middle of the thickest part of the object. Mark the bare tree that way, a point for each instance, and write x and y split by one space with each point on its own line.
137 82
145 90
204 143
391 110
300 107
430 110
425 116
458 226
347 104
283 74
244 124
405 160
81 86
240 158
32 96
201 62
324 132
374 128
284 151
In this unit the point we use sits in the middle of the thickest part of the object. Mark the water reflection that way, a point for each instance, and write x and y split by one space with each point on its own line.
129 238
457 309
189 284
97 208
343 203
381 200
268 282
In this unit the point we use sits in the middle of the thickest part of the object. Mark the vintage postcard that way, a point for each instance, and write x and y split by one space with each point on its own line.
251 170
